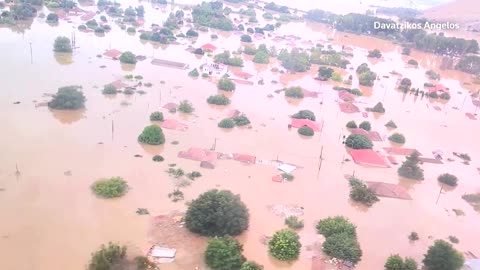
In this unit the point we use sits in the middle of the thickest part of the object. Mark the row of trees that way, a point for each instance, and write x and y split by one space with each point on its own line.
210 14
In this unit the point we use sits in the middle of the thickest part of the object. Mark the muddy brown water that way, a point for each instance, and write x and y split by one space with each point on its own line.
55 221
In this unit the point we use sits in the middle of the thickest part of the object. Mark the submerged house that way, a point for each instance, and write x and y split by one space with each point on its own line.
214 69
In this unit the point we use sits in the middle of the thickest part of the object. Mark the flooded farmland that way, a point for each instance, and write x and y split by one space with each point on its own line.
50 216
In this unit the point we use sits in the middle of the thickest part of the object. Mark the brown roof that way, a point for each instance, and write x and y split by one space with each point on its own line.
389 190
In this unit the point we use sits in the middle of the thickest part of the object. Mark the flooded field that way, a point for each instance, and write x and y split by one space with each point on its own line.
49 214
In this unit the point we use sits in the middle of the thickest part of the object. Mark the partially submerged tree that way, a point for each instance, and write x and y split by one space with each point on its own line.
396 262
343 246
304 114
294 92
226 84
365 125
335 225
294 223
251 265
194 73
246 38
285 245
360 192
448 179
156 116
224 253
62 44
217 213
325 73
226 123
391 124
410 168
52 18
107 257
357 141
306 131
442 256
218 100
110 188
128 58
109 89
241 120
152 135
397 138
68 98
375 54
186 106
378 108
351 124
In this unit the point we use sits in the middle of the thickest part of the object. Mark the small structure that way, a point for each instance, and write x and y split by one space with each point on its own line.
119 84
113 53
286 168
209 47
299 123
233 113
348 107
310 94
174 124
214 69
389 190
277 178
242 75
160 254
398 151
248 159
346 96
372 135
245 82
368 157
439 89
170 64
88 16
207 165
170 106
199 154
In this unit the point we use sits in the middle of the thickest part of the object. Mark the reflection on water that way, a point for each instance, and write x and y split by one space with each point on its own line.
68 117
63 58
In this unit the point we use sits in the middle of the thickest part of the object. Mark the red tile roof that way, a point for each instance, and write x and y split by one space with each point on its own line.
233 113
400 151
368 157
209 47
310 94
113 53
389 190
348 108
244 158
174 124
346 96
170 106
199 154
277 178
298 123
243 75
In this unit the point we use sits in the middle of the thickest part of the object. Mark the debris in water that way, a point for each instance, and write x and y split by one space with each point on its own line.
100 142
16 102
103 66
142 211
175 142
2 189
172 165
68 173
286 210
138 156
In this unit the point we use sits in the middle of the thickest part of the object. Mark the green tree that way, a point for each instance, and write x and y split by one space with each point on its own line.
226 84
352 124
130 12
335 225
246 38
391 124
412 62
192 33
343 246
194 73
410 168
448 179
410 264
394 262
294 92
218 100
110 188
442 256
261 57
152 135
365 125
285 245
52 18
294 223
224 253
156 116
241 120
109 89
357 141
405 83
306 131
68 98
128 58
217 213
107 257
367 78
325 73
186 106
397 138
378 108
375 54
295 61
360 192
406 51
62 44
304 114
226 123
250 265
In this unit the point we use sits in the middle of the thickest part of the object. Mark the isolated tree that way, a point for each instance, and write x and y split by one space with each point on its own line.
224 253
343 246
226 84
217 213
152 135
335 225
325 73
107 257
442 256
410 168
62 44
128 58
110 188
250 265
360 192
52 18
304 114
285 245
375 54
68 98
156 116
365 125
352 124
394 262
246 38
397 138
448 179
357 141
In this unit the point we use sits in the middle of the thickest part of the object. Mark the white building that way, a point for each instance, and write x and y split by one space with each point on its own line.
214 69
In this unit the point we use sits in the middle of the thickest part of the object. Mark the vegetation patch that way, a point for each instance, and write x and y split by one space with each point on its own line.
158 158
226 123
294 92
109 89
378 108
448 179
410 168
127 58
62 44
241 120
218 100
335 225
226 84
391 124
285 245
473 200
156 116
294 61
375 54
442 256
360 192
351 124
395 262
354 91
397 138
108 257
413 236
110 188
176 195
306 131
152 135
294 223
194 73
186 107
287 176
224 253
68 98
357 141
453 239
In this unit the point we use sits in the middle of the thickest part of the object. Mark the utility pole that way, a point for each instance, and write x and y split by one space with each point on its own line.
113 130
320 161
214 144
31 53
439 193
17 172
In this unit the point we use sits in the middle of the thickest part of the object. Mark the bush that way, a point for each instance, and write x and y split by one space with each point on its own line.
395 262
158 158
453 239
352 124
336 225
143 263
285 245
406 51
413 236
226 123
343 246
62 44
288 176
413 62
325 73
251 266
406 83
448 179
99 30
186 107
109 89
152 135
128 58
92 23
268 16
110 188
68 98
131 30
442 256
217 213
432 75
246 38
107 256
357 141
194 73
294 223
365 125
378 108
82 27
218 100
224 253
433 95
241 120
397 138
294 92
360 192
304 114
226 84
191 33
249 50
445 96
391 124
306 131
156 116
128 91
52 18
375 54
410 169
261 57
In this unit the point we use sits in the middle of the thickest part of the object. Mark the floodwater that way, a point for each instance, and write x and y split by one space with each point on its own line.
55 220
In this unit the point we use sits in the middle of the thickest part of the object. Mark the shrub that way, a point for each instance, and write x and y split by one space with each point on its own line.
128 58
128 91
413 62
251 266
343 246
325 73
336 225
453 239
285 245
360 192
410 264
226 84
218 100
249 50
110 188
191 33
405 83
156 116
186 107
391 124
158 158
294 92
261 57
241 120
176 195
109 89
152 135
375 54
217 213
99 30
214 36
352 124
131 30
62 44
224 253
52 18
445 96
397 138
442 256
304 114
107 256
365 125
82 27
433 95
143 263
193 175
246 38
378 108
458 212
413 236
357 141
406 51
395 262
432 75
268 16
410 168
68 98
194 73
294 223
306 131
448 179
226 123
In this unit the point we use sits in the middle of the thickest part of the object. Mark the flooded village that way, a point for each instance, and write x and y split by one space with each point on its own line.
136 123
